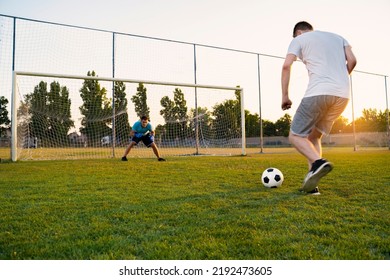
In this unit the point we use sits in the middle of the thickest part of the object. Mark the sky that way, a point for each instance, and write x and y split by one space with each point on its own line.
261 26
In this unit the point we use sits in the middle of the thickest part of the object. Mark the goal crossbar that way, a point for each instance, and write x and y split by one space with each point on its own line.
148 82
111 79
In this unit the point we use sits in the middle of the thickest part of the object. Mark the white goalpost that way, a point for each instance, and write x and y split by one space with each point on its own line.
58 117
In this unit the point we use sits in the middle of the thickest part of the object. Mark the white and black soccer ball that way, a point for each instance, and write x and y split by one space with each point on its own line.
272 178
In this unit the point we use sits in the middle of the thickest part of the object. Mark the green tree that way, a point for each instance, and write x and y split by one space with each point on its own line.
122 126
49 115
203 120
140 101
282 126
59 120
4 120
37 119
96 109
269 128
175 115
340 125
168 111
227 118
383 120
371 121
180 111
252 124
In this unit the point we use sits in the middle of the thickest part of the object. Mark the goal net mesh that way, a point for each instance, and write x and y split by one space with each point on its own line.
90 117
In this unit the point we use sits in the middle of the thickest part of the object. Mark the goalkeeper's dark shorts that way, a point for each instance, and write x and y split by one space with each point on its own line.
146 139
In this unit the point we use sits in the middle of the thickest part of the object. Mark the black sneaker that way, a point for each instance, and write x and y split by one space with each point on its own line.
161 159
319 169
124 159
316 191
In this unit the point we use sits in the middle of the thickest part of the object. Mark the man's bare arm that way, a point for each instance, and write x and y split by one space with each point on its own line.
351 59
286 71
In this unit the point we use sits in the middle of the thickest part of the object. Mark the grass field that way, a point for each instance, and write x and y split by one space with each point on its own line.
195 208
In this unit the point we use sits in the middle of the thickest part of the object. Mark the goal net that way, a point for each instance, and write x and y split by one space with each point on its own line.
58 117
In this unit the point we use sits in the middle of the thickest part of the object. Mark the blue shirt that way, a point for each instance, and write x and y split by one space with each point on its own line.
137 127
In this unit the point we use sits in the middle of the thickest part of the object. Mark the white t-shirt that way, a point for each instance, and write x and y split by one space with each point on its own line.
324 56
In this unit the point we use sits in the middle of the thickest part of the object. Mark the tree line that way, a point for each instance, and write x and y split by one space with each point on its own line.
47 114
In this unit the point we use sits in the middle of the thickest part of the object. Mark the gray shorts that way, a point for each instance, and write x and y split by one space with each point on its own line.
317 112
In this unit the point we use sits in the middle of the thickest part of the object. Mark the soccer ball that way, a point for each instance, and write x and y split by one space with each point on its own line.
272 178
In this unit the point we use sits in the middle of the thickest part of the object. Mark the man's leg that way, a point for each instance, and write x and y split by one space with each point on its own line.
307 146
315 138
311 148
156 151
127 151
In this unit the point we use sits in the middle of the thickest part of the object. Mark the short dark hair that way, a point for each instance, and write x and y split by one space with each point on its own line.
144 118
302 25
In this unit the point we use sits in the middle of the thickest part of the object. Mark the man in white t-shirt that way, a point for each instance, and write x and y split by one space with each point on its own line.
329 60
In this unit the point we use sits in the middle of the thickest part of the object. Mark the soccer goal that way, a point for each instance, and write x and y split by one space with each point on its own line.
58 117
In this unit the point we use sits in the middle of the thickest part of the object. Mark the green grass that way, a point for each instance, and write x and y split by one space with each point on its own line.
195 208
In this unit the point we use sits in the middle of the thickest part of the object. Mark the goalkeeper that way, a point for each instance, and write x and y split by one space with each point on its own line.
142 130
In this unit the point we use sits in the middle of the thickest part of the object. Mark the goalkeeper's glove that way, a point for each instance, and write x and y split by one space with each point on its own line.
138 135
152 138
